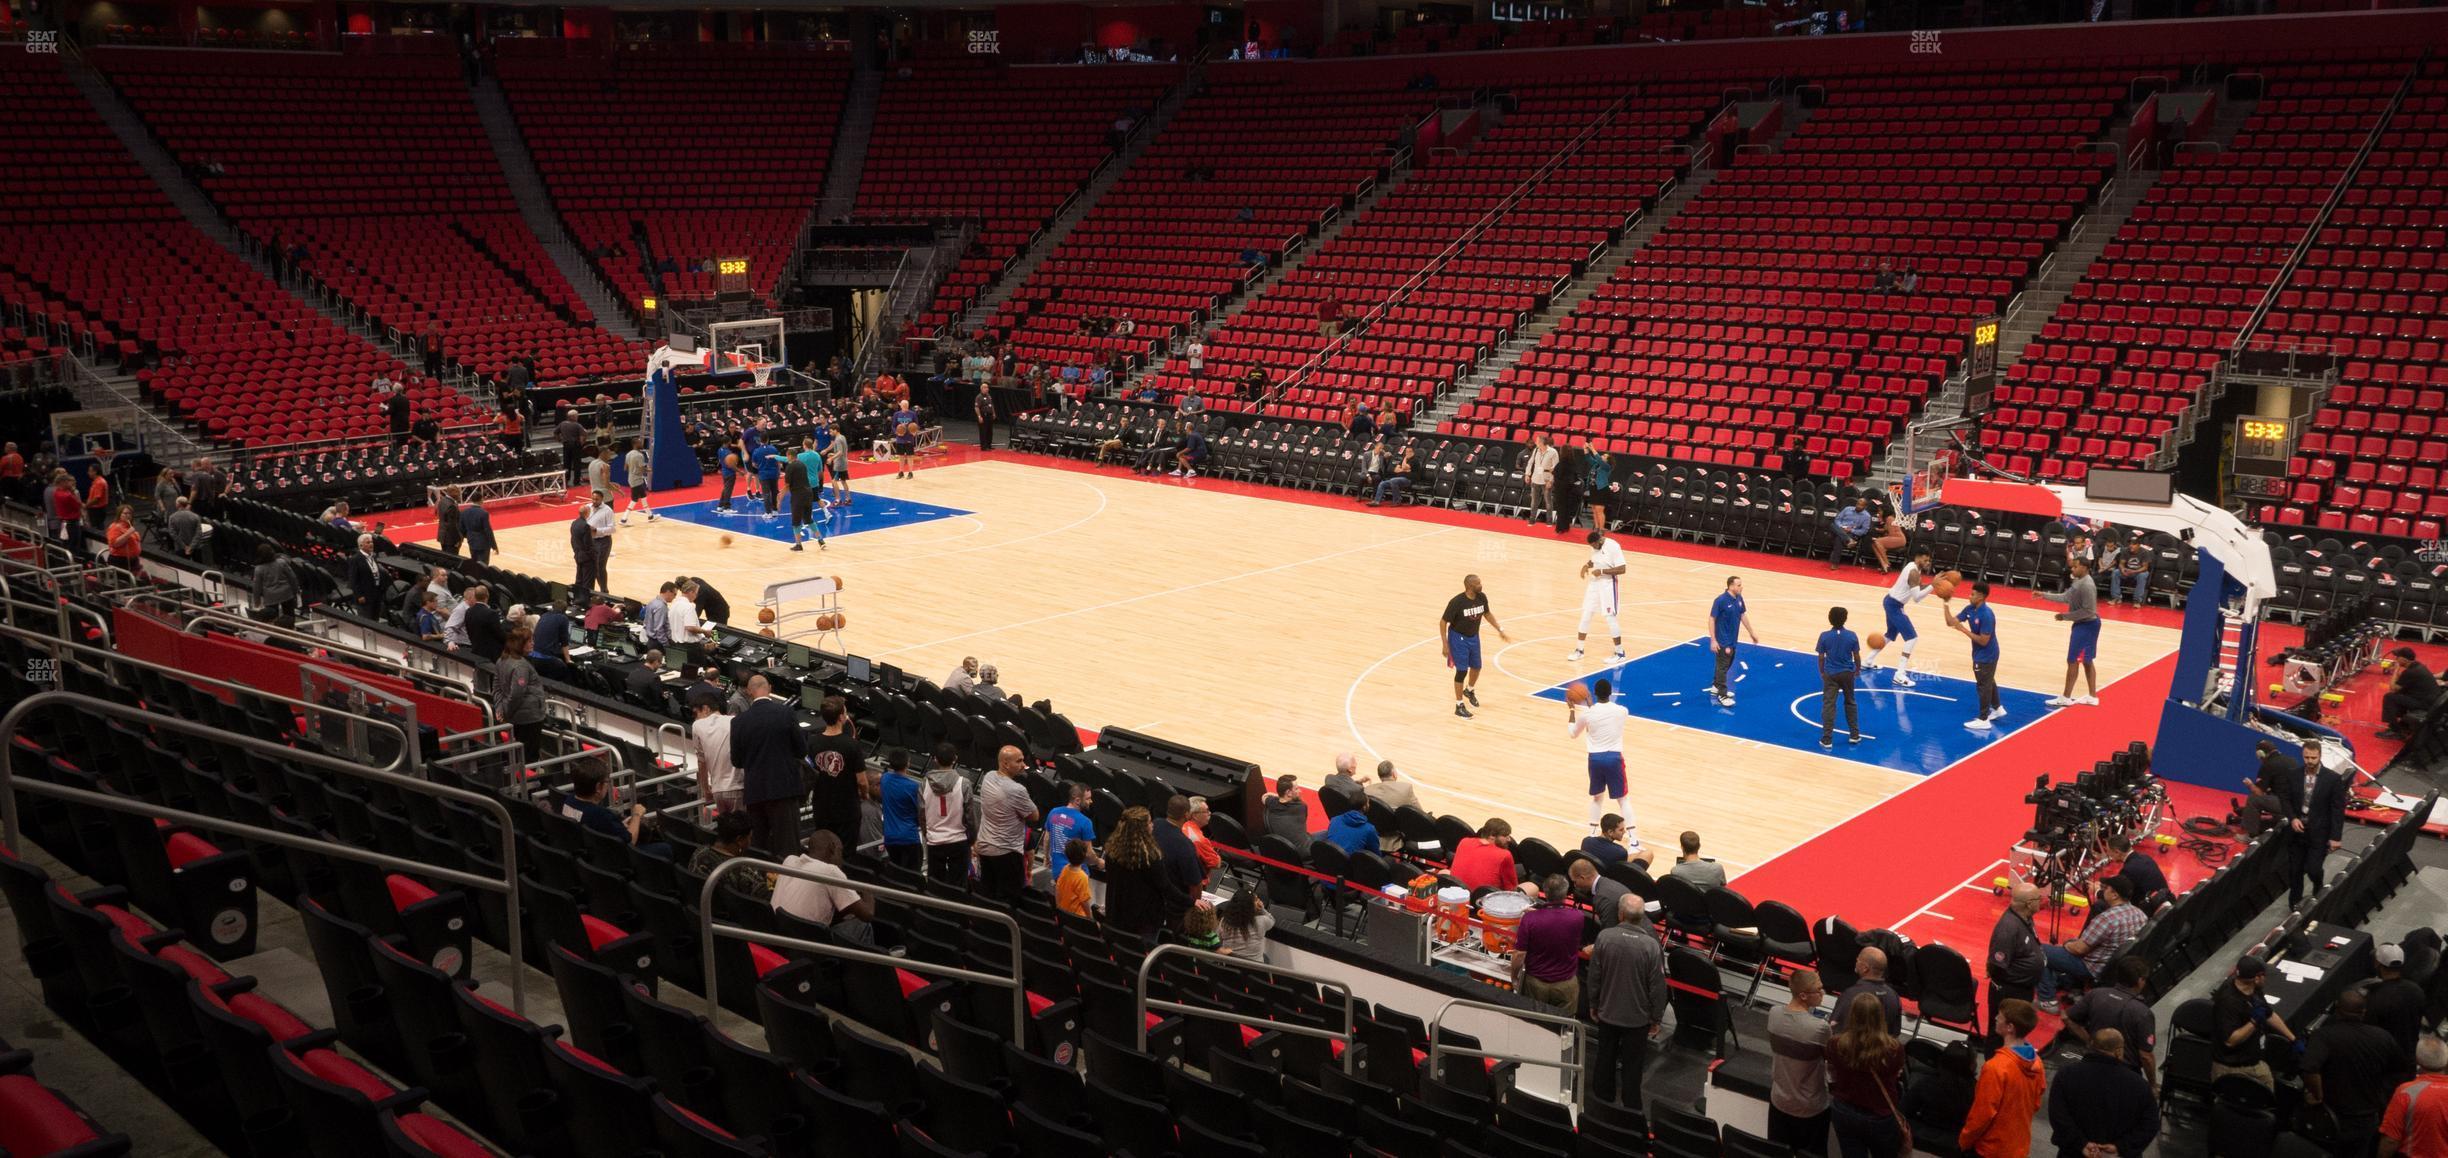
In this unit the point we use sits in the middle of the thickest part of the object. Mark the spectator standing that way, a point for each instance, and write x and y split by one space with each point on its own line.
1597 480
833 779
275 585
1138 892
367 577
1865 1076
2099 1107
2416 1121
1005 815
1181 859
2120 1005
2239 1020
1074 893
126 545
1547 950
1798 1073
1539 476
1195 827
1565 490
718 780
767 744
899 795
599 528
572 437
2394 1001
945 828
2352 1067
476 526
2015 960
2007 1097
1068 822
1627 1000
1870 966
518 693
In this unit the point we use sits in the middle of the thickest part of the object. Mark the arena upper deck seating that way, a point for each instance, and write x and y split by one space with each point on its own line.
1441 326
1284 149
379 167
2370 291
93 257
1005 146
768 110
1750 333
2141 334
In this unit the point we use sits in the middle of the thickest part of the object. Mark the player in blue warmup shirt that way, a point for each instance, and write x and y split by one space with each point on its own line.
1728 615
768 462
1839 662
1978 622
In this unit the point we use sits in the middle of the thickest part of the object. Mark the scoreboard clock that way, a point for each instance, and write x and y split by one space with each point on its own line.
2260 445
1980 365
731 276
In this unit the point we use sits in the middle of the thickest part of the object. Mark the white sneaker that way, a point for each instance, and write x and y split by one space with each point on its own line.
1176 474
2060 701
2087 701
1618 657
1979 725
1576 654
1998 714
624 520
1189 474
1903 679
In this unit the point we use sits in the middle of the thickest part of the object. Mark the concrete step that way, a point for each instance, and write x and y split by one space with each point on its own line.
847 163
536 209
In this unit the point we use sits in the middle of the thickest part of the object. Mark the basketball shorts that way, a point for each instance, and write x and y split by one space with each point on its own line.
2082 643
638 492
803 507
1899 625
1606 775
1599 600
1465 650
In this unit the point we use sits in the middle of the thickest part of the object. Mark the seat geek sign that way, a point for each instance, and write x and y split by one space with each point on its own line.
986 43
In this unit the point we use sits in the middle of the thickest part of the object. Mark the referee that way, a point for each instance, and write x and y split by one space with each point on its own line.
1459 628
1728 616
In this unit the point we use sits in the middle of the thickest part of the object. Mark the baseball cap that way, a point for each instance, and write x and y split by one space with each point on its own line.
2250 966
2392 956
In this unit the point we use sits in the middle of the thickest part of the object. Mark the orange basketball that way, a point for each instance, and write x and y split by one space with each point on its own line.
1943 588
1950 577
767 632
1578 695
765 615
837 583
726 539
1876 641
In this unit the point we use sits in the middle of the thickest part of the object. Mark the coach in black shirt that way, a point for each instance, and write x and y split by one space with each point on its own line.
711 606
2352 1066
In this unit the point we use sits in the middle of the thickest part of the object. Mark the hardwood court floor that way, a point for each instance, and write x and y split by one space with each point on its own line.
1286 631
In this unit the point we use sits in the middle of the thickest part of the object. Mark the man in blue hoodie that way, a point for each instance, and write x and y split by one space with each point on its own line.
1351 832
899 791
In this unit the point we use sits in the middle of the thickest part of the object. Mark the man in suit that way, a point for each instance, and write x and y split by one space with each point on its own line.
366 580
2321 825
644 684
770 750
476 528
2277 789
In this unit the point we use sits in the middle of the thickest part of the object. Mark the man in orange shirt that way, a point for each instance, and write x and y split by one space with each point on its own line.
12 467
98 497
1486 861
2008 1095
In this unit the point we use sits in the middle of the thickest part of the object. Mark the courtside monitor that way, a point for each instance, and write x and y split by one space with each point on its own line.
861 670
796 655
2130 486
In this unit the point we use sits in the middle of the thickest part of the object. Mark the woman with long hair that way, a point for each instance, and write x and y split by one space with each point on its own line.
126 542
1242 923
1138 893
1865 1077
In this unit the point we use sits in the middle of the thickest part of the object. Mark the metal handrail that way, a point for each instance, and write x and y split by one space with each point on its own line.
1578 1067
58 611
397 766
709 929
507 886
434 683
1350 1056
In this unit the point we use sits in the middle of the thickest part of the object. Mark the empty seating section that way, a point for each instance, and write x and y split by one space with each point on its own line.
764 114
1005 147
1751 332
2371 289
1608 144
1258 160
94 258
2141 334
380 169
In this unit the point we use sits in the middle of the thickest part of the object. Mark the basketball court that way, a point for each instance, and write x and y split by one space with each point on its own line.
1284 627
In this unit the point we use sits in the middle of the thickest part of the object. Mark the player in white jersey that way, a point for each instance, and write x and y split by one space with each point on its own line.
1601 597
1600 724
1912 586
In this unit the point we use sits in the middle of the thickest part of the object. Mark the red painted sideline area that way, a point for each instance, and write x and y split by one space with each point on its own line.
1912 850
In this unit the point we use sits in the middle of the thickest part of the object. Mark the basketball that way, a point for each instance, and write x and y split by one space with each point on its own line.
1577 695
829 621
1950 578
726 539
765 615
1943 588
1876 641
767 632
837 583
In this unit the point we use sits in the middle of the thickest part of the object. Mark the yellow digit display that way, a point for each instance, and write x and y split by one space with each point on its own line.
1985 334
2264 430
733 265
